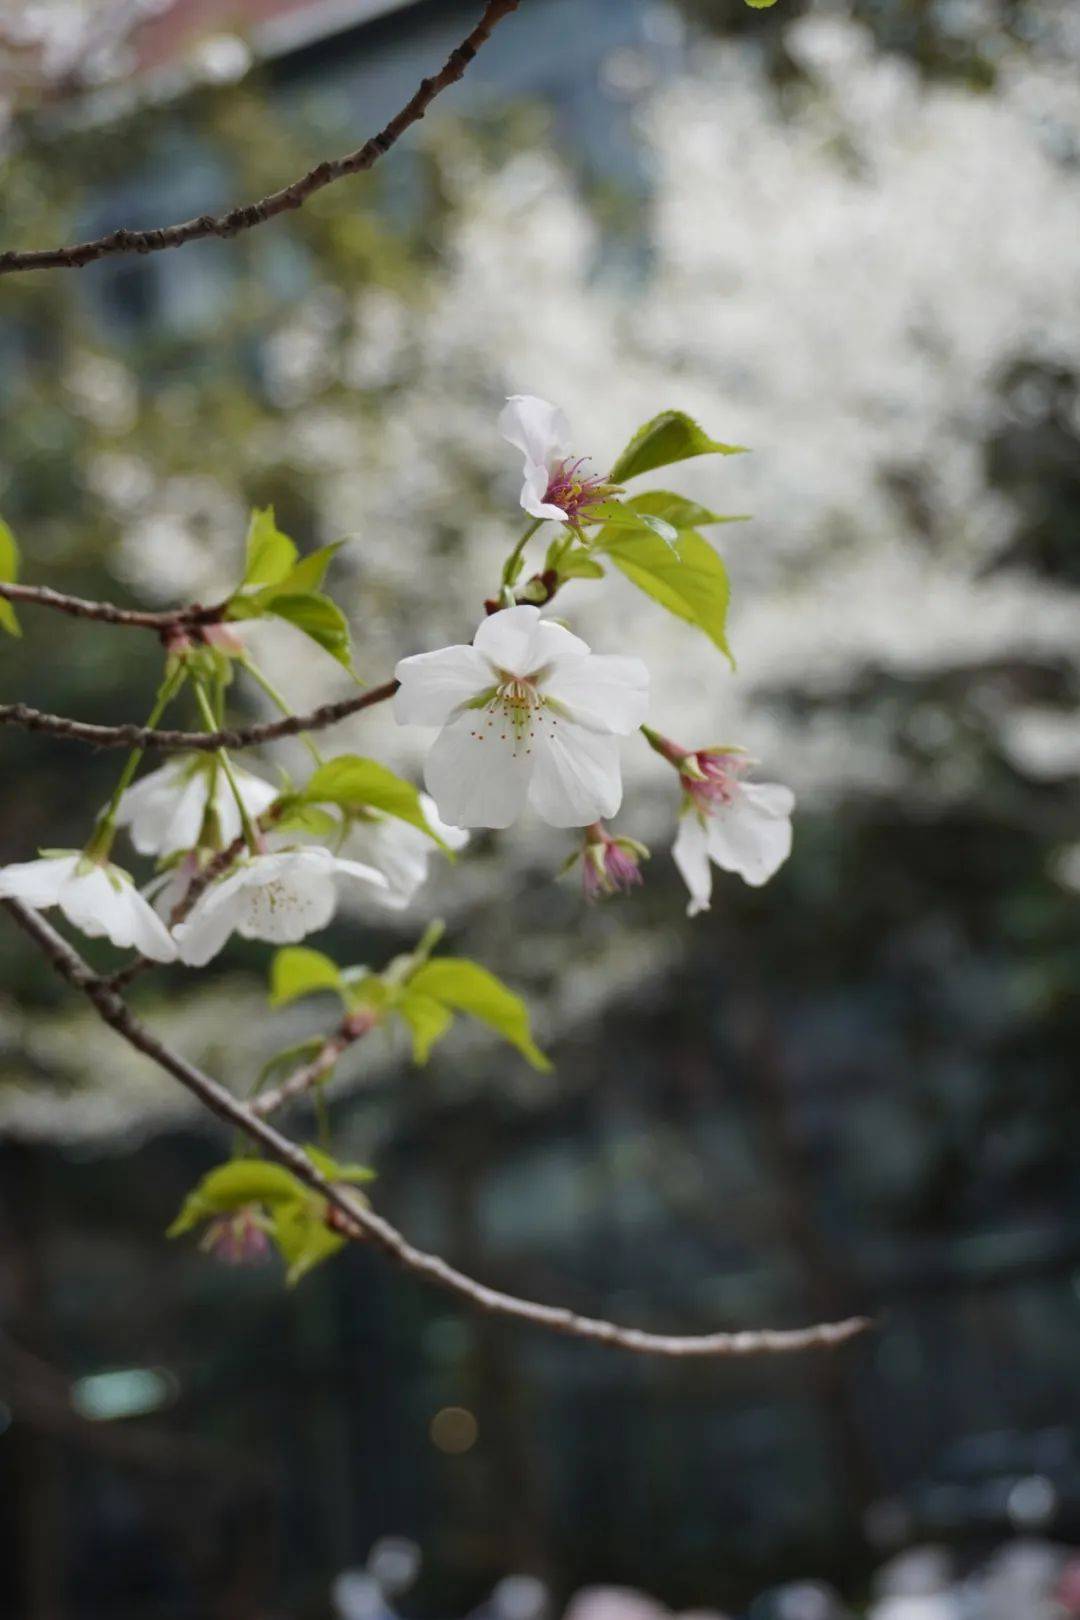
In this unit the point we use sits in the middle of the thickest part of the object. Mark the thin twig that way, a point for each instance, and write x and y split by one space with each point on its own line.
278 202
360 1224
59 725
311 1074
79 607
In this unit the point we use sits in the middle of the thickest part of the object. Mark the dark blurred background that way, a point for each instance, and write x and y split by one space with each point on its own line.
845 234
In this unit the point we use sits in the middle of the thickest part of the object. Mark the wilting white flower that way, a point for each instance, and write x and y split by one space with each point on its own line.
742 827
528 713
99 898
400 851
281 897
555 487
165 811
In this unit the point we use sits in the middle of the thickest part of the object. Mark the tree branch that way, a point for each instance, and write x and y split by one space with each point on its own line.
360 1224
58 725
278 202
309 1075
79 607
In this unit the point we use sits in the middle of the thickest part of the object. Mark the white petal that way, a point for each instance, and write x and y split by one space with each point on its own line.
361 873
478 775
553 646
435 685
148 934
539 430
691 854
532 495
505 639
576 779
769 798
452 837
748 838
164 810
211 920
38 884
399 851
289 907
602 692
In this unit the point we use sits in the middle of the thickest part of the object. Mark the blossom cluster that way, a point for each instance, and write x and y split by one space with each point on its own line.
527 718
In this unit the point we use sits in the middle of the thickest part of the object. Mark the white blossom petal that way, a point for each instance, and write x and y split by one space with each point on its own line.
749 837
506 639
478 775
602 692
539 430
435 685
533 490
553 647
576 779
257 795
100 900
691 853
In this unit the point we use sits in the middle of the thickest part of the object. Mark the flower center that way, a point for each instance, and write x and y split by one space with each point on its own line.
514 713
573 490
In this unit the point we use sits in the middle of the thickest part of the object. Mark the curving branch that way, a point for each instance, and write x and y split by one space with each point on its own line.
289 197
80 607
360 1224
58 725
309 1075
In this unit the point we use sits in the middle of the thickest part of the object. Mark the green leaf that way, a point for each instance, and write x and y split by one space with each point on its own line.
761 5
428 1021
310 570
298 971
320 618
232 1186
271 555
9 573
354 783
676 509
688 578
353 1174
614 515
466 987
308 818
303 1238
671 436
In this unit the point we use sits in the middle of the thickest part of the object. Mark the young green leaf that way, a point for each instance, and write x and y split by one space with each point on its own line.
310 571
467 987
428 1021
232 1186
672 436
271 555
303 1237
354 783
353 1174
9 573
616 515
318 617
688 578
298 971
676 509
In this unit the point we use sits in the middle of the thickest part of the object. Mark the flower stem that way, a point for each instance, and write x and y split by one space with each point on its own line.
512 567
105 827
279 701
251 837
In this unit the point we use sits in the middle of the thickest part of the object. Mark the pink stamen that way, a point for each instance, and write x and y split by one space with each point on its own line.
572 490
237 1240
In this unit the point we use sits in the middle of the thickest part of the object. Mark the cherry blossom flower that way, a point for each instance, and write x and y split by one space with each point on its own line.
610 865
166 810
742 827
100 899
528 714
400 851
555 487
281 897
